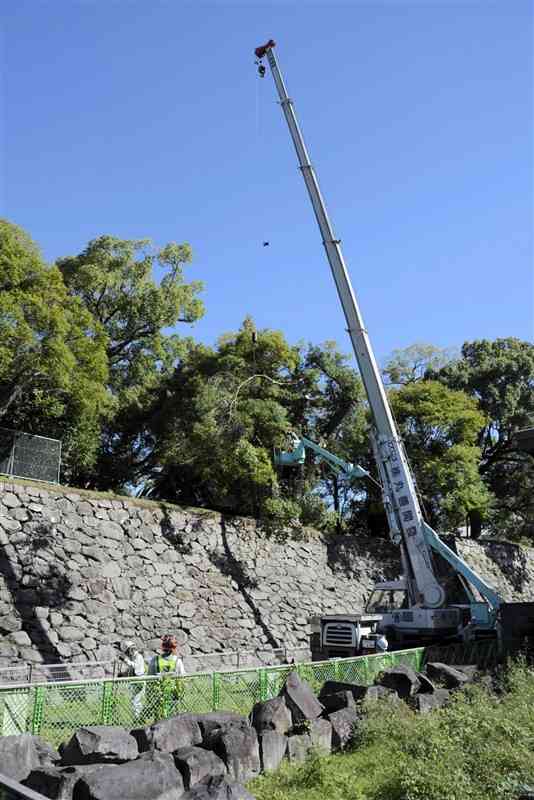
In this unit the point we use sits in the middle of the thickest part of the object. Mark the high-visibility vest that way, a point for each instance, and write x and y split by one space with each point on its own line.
167 663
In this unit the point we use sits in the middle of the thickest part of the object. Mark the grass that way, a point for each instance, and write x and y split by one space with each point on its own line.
479 748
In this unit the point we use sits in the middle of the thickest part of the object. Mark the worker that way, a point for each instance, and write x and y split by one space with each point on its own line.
135 668
134 661
168 662
381 644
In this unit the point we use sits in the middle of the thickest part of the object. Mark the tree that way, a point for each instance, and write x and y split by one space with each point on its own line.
440 429
114 280
214 422
53 366
500 376
412 363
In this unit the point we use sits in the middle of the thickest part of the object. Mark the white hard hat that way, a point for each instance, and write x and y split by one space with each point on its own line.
129 645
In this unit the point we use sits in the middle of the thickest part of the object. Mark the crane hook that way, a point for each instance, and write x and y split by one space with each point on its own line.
261 68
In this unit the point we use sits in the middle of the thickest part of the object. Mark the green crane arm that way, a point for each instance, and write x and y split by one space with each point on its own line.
297 456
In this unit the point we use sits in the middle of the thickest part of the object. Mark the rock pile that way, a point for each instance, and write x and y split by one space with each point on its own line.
211 756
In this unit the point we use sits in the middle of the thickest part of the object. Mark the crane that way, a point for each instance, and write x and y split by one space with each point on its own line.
296 456
425 610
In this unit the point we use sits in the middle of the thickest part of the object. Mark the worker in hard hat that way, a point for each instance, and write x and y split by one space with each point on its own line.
166 695
135 668
133 660
382 644
168 663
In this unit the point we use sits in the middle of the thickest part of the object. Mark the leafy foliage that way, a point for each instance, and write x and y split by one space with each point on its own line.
53 366
114 280
479 748
500 376
440 429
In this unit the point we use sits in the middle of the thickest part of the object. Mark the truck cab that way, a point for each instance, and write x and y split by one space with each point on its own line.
344 635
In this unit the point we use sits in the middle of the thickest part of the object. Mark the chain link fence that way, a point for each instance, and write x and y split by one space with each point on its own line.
56 710
24 455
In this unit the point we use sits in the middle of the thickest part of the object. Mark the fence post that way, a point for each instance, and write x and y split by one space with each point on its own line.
336 670
38 710
216 690
264 686
107 703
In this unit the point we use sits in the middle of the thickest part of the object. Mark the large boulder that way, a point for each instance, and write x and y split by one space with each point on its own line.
428 702
375 693
57 783
169 735
151 777
99 744
216 720
273 748
300 699
344 723
238 748
329 688
299 747
401 679
218 788
271 715
321 735
22 753
337 700
195 764
426 687
448 676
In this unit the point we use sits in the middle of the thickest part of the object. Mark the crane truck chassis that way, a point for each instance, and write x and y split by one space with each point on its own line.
439 597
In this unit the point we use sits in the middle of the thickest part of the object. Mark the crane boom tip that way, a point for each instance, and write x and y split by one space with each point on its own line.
259 52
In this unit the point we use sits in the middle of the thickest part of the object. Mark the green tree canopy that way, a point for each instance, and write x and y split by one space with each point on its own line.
115 281
500 376
440 429
53 365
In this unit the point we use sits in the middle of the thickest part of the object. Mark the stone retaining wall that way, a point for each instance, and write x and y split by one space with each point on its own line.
81 571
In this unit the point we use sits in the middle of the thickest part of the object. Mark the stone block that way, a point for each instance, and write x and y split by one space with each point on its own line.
218 788
273 748
426 687
299 747
337 700
300 699
272 715
401 679
333 687
21 754
344 723
99 744
152 777
446 675
10 623
217 720
20 638
169 735
238 748
375 693
428 702
195 764
57 783
321 735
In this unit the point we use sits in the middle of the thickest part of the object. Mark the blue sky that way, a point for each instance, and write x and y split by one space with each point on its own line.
147 119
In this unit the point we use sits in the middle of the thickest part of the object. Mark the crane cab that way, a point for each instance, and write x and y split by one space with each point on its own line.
344 635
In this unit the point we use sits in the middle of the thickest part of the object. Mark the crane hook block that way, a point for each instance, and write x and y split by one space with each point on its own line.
259 52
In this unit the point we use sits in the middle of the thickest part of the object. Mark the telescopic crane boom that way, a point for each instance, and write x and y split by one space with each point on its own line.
407 527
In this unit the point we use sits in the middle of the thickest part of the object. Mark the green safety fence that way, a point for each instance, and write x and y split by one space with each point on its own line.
56 710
